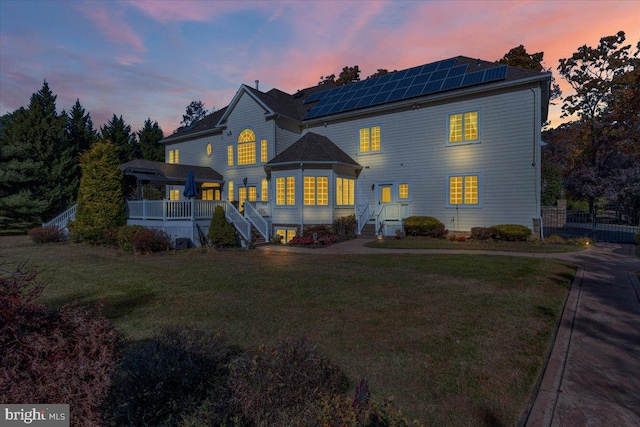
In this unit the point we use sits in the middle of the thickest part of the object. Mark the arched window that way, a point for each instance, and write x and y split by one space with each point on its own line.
247 147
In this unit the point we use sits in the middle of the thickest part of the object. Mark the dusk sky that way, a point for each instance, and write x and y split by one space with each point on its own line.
144 59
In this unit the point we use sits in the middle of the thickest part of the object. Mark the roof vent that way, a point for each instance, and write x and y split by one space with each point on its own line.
257 84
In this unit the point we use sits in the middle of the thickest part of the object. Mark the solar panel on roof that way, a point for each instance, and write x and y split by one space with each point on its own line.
380 98
397 94
414 90
314 97
422 78
347 96
495 73
457 71
368 82
383 79
452 82
374 89
388 87
366 101
412 72
439 75
473 78
429 68
351 104
432 87
447 63
406 82
398 75
361 92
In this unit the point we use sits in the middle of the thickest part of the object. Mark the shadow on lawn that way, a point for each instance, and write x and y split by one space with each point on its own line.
114 306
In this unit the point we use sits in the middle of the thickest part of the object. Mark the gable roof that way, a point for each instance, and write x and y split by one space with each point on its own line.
161 172
434 80
312 149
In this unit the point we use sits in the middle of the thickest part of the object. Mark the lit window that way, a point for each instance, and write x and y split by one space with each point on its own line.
207 194
230 155
263 151
264 190
291 190
247 147
285 191
344 191
253 194
286 234
464 190
209 149
309 190
322 190
174 194
370 139
403 191
464 127
174 156
242 196
385 194
230 191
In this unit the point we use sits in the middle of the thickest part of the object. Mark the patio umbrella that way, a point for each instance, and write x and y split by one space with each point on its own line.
190 189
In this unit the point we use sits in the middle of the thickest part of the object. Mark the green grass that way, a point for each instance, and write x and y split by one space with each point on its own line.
490 245
453 339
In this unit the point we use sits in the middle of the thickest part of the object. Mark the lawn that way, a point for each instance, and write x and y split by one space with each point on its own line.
452 339
420 242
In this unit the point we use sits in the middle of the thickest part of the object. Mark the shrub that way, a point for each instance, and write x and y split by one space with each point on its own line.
100 195
180 375
111 236
637 238
580 241
482 233
345 227
125 235
150 240
555 240
424 226
59 356
49 234
221 232
280 385
512 232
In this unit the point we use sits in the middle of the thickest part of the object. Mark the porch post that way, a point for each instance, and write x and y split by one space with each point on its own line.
193 209
144 209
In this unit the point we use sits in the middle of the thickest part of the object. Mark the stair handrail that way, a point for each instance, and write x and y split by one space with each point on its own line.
238 221
261 224
363 217
63 219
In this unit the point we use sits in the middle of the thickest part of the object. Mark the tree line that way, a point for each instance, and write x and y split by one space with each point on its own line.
40 152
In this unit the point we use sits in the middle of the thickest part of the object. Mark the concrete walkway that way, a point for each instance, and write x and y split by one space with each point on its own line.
592 377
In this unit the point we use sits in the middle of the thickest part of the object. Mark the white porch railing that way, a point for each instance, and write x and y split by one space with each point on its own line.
63 219
362 215
168 210
255 216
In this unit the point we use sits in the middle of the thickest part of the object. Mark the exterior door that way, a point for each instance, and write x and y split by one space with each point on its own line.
242 196
386 202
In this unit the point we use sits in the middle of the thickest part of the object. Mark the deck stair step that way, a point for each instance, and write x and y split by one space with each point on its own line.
368 231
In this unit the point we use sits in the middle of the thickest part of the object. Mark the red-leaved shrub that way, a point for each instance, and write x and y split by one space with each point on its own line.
150 240
63 356
49 234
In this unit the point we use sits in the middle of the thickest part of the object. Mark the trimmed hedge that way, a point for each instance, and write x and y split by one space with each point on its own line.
425 226
512 232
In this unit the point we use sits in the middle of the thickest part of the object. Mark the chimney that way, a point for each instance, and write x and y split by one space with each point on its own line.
257 84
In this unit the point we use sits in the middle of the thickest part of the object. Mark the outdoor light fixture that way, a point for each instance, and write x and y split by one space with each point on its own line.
244 181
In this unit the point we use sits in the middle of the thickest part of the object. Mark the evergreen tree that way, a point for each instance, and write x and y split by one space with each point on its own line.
101 196
37 166
221 233
149 136
119 134
195 111
80 132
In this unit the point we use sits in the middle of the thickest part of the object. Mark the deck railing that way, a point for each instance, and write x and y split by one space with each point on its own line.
362 215
168 210
390 212
242 224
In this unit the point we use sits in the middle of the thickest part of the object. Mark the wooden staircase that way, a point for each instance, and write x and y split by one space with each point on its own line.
368 232
257 237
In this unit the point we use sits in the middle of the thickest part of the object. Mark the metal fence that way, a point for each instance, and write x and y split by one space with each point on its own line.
616 225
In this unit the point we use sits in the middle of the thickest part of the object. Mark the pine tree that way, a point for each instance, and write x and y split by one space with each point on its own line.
149 136
221 232
101 203
119 134
37 166
80 132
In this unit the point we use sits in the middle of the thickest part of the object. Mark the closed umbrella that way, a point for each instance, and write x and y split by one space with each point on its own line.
190 189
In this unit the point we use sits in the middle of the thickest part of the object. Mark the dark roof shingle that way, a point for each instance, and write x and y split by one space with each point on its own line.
313 148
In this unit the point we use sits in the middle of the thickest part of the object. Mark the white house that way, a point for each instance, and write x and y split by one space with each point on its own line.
457 139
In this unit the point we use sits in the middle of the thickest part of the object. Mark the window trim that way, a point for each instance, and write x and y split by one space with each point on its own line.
463 205
478 140
286 193
246 145
174 156
351 191
370 151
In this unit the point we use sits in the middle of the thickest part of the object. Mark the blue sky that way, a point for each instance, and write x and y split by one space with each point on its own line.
144 59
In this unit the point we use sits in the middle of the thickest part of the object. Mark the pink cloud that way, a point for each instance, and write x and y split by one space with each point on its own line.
195 11
111 23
